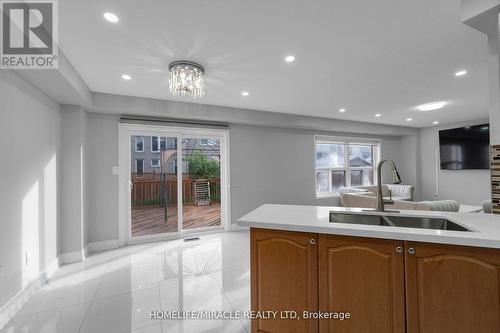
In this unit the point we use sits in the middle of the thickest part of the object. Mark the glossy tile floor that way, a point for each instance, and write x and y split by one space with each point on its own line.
115 291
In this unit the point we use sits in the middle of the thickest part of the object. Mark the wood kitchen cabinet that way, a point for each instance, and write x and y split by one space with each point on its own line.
363 276
387 286
284 277
452 289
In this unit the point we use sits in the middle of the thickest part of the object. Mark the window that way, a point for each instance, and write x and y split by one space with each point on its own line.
155 163
139 166
208 142
155 144
344 162
171 143
139 144
163 143
174 165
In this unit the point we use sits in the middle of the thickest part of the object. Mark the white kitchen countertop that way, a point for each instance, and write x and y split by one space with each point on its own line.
485 227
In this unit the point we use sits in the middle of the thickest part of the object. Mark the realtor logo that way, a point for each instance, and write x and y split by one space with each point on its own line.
29 34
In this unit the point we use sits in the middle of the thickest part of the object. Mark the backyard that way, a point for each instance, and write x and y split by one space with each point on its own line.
157 167
154 197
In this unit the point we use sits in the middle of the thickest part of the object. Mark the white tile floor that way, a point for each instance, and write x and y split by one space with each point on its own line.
115 291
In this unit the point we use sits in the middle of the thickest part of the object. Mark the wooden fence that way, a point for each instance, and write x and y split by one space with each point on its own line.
153 192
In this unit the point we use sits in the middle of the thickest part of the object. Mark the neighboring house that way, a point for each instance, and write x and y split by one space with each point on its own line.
146 152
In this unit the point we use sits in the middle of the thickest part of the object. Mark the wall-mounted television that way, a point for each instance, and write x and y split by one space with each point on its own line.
465 148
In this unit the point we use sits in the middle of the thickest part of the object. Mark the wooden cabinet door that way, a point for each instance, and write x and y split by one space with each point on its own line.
284 277
365 277
452 289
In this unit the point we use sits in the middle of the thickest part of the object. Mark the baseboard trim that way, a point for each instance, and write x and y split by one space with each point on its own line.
103 245
235 227
71 257
85 251
9 310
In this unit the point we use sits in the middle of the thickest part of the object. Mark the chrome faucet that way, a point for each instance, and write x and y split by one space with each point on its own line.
396 180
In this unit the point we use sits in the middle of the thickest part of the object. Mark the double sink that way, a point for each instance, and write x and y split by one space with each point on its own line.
397 221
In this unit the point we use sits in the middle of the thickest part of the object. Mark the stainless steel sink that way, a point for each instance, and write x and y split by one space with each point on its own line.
397 221
426 223
360 219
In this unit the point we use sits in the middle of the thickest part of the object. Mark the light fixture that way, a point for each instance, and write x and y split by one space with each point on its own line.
435 122
461 72
342 110
186 79
409 119
431 106
110 17
290 58
126 77
378 115
244 93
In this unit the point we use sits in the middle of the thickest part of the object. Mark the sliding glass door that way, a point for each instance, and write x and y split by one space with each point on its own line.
153 179
175 179
201 206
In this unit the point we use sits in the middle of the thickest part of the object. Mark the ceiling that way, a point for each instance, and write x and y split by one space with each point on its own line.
380 56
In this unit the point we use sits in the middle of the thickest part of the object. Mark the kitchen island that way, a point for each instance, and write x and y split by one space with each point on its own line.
388 278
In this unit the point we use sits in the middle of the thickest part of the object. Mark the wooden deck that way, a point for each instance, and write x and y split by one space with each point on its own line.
151 220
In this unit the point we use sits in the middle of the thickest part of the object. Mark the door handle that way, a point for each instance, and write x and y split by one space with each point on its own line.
411 250
399 249
312 241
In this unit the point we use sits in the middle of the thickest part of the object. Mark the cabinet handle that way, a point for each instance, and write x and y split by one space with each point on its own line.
399 249
312 241
411 250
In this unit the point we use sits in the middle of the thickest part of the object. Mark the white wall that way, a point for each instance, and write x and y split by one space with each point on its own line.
276 165
30 129
466 186
73 173
403 150
409 163
102 186
268 165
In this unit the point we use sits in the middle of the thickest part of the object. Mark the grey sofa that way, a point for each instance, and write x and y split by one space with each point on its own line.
369 200
393 191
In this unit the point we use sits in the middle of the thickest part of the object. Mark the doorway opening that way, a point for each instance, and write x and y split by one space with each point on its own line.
176 179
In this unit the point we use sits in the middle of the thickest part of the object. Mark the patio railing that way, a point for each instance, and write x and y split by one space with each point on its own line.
149 191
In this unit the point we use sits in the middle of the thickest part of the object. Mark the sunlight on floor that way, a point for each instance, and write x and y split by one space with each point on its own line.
115 291
30 246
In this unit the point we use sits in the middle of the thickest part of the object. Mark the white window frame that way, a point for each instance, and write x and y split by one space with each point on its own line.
165 140
126 131
159 144
346 141
153 165
136 168
139 151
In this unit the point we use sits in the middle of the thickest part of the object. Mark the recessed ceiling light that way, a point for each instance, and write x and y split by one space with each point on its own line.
461 72
378 115
126 77
290 58
110 17
409 119
244 93
435 122
342 110
431 106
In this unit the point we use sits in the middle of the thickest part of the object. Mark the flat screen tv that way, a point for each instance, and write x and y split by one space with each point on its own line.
465 148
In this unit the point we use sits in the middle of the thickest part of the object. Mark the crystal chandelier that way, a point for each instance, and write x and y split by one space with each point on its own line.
186 79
